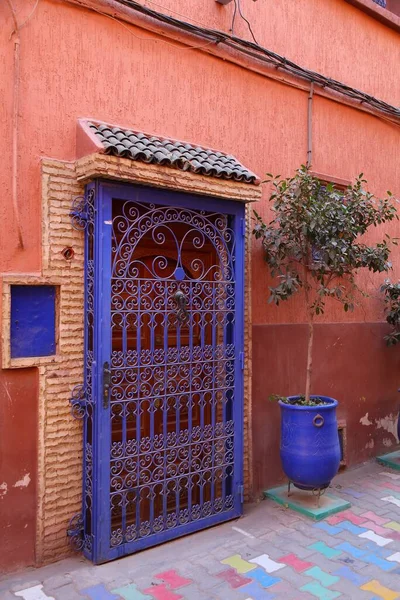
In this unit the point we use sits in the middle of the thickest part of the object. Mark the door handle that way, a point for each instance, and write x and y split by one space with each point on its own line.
181 313
106 384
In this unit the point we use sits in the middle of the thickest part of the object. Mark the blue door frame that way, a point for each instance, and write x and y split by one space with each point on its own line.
121 512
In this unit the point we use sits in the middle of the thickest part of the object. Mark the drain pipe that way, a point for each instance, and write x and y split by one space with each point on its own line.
309 125
15 33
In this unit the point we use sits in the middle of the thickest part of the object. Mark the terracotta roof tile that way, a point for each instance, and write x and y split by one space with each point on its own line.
181 155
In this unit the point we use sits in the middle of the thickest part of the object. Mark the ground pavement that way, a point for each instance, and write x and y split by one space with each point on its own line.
269 553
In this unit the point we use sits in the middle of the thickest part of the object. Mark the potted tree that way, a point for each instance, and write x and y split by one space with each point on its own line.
314 243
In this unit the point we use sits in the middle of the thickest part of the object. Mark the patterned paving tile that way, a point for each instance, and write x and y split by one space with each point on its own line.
263 578
322 548
331 529
394 535
354 529
267 563
234 579
383 564
394 557
382 551
255 592
371 516
347 573
346 515
390 475
376 528
99 592
392 500
317 590
378 539
350 549
237 563
392 525
353 493
324 578
173 579
295 562
392 486
161 592
33 593
131 592
383 592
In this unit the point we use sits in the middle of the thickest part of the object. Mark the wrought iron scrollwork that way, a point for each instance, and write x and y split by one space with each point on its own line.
75 532
79 210
78 213
78 402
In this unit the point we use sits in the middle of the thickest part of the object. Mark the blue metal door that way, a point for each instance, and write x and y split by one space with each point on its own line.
164 360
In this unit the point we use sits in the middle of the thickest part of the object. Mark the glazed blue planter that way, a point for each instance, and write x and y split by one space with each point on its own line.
310 450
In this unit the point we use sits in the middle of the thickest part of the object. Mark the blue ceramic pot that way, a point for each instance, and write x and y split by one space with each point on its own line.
310 450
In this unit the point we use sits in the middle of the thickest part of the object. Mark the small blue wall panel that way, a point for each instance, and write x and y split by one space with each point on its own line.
33 320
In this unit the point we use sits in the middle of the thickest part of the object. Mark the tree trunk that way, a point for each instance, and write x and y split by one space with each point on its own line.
309 355
310 314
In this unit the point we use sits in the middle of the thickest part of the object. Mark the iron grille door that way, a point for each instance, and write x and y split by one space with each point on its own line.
168 341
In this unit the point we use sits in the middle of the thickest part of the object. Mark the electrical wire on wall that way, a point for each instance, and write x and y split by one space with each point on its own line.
237 3
309 125
233 17
262 55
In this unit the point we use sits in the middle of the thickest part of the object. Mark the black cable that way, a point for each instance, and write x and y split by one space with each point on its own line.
248 22
262 54
234 17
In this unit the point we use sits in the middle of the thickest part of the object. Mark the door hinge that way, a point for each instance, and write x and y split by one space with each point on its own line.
241 493
244 228
241 359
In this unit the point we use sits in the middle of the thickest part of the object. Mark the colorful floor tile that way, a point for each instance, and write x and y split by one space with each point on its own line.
131 592
99 592
237 563
234 579
380 590
377 539
33 593
161 592
392 500
267 563
320 592
172 579
322 548
296 563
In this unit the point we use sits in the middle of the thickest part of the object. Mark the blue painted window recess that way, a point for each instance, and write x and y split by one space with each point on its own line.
33 320
381 3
